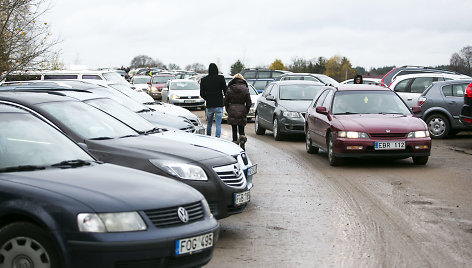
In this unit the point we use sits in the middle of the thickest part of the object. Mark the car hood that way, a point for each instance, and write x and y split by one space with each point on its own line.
204 141
172 109
122 150
185 92
163 120
295 105
379 123
109 188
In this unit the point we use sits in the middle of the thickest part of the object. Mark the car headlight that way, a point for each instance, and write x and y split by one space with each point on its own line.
352 135
110 222
290 114
181 170
153 89
174 97
418 134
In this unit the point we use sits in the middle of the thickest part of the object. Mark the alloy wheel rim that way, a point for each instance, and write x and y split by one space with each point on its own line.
24 252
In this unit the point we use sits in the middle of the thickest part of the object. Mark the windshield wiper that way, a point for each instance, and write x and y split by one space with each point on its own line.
154 130
71 163
22 168
143 111
102 138
127 136
345 113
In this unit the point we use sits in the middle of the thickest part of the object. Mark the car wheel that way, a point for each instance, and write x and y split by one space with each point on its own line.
438 126
333 160
309 146
259 130
420 160
23 244
276 130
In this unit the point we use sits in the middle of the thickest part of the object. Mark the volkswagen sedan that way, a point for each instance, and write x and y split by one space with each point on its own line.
365 121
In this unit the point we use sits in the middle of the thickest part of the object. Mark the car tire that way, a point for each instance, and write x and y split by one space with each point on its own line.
333 160
259 130
438 126
276 130
420 160
26 245
309 145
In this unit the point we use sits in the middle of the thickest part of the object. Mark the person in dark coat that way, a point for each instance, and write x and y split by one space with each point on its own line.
237 103
358 79
212 89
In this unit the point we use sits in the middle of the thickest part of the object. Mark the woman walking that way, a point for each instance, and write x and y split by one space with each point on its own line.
237 103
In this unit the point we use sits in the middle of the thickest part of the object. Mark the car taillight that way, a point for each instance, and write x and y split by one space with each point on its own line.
468 91
421 100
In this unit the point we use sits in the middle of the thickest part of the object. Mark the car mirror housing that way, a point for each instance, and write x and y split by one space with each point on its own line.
270 97
321 110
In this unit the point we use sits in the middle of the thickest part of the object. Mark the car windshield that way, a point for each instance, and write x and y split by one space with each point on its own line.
298 92
123 114
368 102
161 79
327 80
141 80
115 77
184 85
27 141
252 90
86 121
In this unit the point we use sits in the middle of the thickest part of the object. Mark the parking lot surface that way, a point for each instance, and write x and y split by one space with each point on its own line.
367 213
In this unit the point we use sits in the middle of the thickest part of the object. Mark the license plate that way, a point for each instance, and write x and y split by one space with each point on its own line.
242 198
192 244
252 170
389 145
189 101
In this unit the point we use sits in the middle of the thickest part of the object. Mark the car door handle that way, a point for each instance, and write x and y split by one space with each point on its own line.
410 99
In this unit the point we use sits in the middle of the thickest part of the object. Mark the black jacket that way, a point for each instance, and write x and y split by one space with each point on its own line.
212 88
237 102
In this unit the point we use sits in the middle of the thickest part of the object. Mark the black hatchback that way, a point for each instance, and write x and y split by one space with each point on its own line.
59 207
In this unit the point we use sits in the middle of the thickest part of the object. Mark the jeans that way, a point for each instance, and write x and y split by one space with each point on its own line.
217 113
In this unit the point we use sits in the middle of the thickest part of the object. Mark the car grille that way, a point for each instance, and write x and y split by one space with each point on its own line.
231 175
168 216
388 135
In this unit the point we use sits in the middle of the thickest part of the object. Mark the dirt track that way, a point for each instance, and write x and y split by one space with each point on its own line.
378 213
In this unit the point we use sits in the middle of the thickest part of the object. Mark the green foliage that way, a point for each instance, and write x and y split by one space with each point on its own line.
339 69
236 67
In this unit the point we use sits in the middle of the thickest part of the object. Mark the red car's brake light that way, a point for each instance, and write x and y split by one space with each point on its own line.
421 100
468 91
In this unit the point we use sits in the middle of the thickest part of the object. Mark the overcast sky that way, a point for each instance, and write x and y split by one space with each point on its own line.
110 33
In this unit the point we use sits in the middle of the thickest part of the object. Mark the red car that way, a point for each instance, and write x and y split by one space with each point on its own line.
365 121
157 83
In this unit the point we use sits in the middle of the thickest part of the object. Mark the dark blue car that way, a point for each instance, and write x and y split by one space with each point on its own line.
59 207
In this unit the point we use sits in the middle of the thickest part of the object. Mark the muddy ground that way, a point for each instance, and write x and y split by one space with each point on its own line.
375 213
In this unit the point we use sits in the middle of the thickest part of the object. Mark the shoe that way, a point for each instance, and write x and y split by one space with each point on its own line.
237 142
242 141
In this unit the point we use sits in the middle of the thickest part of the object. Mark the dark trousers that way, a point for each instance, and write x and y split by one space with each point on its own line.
235 131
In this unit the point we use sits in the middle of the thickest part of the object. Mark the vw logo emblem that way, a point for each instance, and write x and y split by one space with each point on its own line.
236 170
387 130
183 214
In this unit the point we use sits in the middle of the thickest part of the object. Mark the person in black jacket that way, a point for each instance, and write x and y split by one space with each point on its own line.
212 89
237 104
358 79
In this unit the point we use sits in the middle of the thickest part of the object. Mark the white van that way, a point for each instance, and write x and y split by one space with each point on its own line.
411 86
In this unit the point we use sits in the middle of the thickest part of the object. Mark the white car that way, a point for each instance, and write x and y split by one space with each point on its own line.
140 83
365 80
184 93
411 86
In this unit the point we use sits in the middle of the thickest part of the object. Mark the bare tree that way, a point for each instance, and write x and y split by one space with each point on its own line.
25 40
462 62
196 67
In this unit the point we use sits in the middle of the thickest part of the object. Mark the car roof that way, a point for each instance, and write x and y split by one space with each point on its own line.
406 76
361 87
298 82
32 98
73 84
8 108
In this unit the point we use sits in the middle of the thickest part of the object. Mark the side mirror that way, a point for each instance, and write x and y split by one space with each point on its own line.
149 83
416 109
321 110
270 97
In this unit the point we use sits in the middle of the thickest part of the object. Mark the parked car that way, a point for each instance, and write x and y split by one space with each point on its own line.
362 121
104 75
259 84
183 93
389 77
308 76
365 80
58 209
140 83
261 73
441 106
409 87
282 106
157 83
157 118
466 111
218 176
252 111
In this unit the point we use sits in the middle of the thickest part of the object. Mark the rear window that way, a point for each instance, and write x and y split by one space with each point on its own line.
454 90
91 76
263 74
250 75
